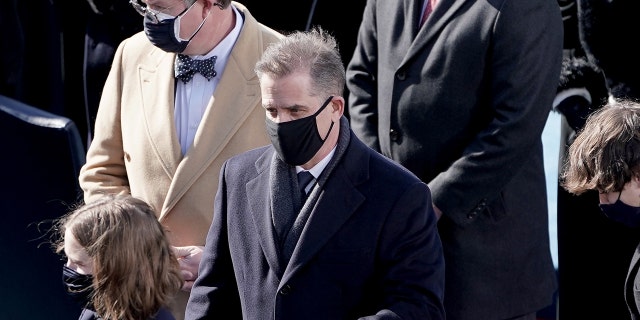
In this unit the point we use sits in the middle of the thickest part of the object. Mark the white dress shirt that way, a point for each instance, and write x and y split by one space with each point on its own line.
192 98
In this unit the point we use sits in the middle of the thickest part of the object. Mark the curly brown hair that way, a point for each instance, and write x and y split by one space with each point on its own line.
606 153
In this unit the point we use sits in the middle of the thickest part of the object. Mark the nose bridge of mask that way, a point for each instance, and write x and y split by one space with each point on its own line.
161 15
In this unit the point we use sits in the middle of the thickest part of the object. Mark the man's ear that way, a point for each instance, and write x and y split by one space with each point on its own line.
207 5
337 105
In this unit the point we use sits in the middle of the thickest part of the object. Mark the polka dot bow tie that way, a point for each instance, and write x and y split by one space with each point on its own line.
185 67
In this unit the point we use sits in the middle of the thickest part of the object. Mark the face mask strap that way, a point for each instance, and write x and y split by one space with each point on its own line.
187 9
178 18
324 105
199 27
330 127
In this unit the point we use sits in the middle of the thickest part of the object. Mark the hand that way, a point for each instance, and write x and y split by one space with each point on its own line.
189 258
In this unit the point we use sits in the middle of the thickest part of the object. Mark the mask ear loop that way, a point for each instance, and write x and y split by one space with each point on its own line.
179 17
205 19
324 105
199 27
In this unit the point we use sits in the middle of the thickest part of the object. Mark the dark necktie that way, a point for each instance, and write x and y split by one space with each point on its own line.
185 67
304 178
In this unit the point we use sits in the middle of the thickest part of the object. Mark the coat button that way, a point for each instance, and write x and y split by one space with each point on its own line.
401 75
285 290
394 135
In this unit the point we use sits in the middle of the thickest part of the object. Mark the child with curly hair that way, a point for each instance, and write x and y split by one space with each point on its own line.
120 265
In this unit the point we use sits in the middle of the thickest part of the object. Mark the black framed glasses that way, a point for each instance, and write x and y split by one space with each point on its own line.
153 14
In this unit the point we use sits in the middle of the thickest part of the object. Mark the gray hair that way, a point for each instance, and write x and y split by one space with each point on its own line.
315 52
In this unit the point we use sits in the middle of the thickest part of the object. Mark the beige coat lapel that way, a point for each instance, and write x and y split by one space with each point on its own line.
157 87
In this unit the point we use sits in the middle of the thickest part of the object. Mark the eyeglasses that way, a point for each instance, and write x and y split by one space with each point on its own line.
153 14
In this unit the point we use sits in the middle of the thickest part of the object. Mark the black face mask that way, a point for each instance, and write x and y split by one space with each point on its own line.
162 34
622 212
297 141
79 286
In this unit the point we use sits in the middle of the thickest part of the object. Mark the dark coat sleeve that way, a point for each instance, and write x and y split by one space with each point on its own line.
215 290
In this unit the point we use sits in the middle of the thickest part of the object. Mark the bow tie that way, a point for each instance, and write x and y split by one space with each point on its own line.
186 67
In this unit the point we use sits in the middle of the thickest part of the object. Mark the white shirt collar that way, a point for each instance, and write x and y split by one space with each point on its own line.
319 167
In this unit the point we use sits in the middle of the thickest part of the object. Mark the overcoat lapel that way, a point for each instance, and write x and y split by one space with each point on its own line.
337 201
157 87
259 202
443 12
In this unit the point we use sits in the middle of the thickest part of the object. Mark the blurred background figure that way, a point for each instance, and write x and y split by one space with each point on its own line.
108 23
607 30
460 98
41 63
605 158
59 52
598 65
